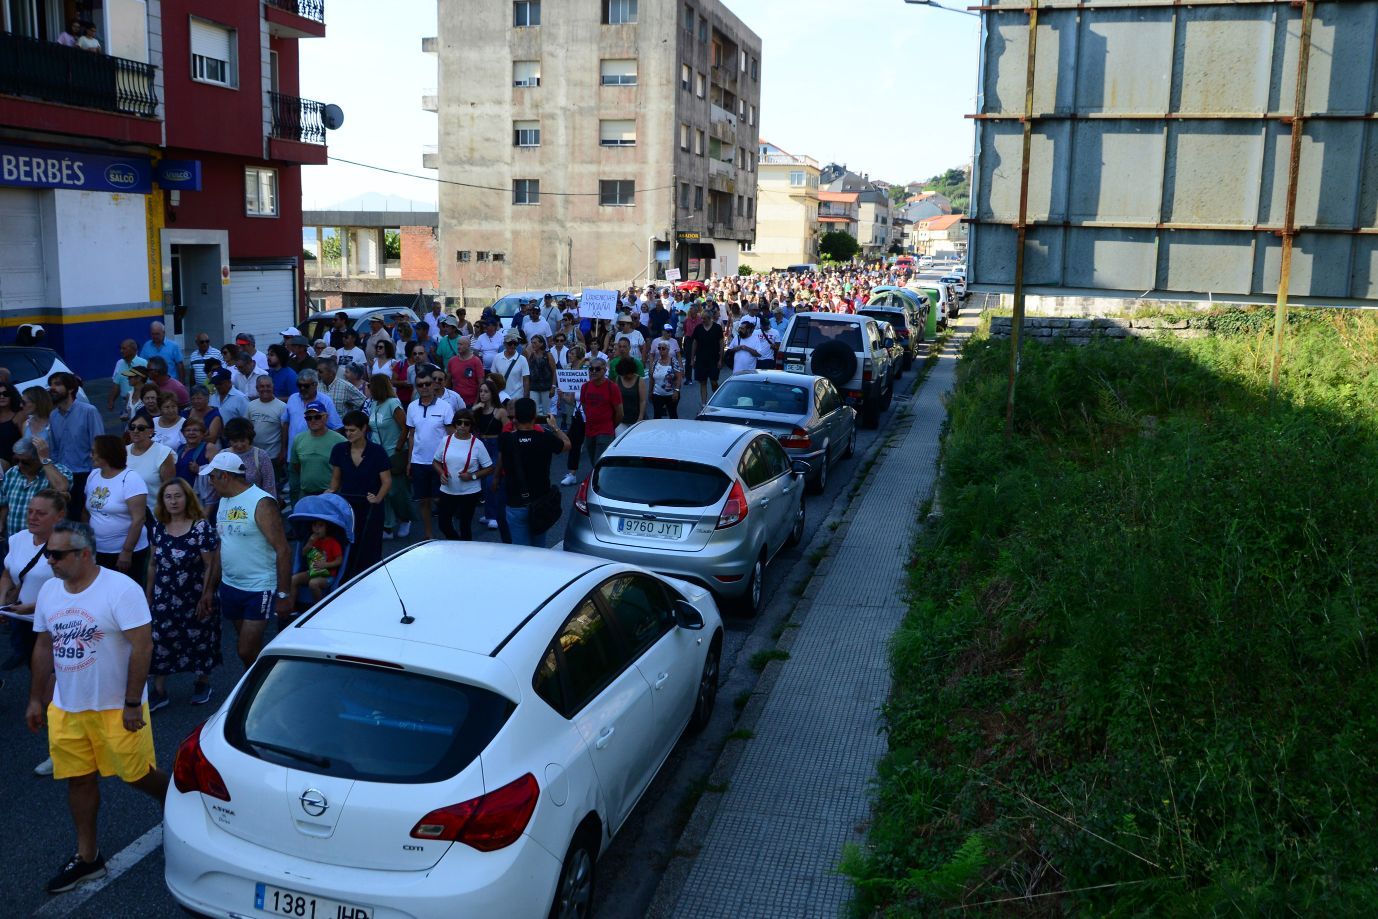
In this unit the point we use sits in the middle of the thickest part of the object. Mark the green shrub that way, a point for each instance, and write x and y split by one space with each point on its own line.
1142 679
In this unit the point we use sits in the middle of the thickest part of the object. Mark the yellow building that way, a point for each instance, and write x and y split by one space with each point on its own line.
786 212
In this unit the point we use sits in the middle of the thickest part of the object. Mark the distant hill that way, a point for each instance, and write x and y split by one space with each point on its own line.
955 185
373 201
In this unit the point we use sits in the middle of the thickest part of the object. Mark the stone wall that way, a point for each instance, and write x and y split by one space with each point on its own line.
1082 331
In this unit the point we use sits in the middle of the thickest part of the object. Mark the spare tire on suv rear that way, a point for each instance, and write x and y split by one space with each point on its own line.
834 361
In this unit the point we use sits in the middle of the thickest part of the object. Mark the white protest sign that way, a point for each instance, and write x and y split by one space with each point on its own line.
672 274
598 304
571 380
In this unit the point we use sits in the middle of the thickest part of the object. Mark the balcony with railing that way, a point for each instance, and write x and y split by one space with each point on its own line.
49 72
788 159
298 130
295 18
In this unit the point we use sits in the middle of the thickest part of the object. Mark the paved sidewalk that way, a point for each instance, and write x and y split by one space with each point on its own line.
803 784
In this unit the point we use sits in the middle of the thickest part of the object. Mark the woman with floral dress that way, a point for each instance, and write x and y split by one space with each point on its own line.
186 630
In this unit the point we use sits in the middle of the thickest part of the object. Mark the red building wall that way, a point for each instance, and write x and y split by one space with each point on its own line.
220 206
419 252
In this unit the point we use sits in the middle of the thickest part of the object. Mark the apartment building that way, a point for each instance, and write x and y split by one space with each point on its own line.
944 234
154 177
874 226
787 215
838 212
597 143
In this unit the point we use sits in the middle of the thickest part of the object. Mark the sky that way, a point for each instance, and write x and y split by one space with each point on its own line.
882 88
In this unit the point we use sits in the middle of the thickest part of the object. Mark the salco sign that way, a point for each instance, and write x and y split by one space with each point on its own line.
36 167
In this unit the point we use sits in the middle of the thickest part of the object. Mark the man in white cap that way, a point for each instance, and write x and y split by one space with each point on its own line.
746 347
290 332
255 560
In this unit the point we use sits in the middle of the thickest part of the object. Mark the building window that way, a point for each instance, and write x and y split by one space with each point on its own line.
482 255
700 85
751 115
684 195
755 69
698 141
741 206
689 19
212 53
746 246
499 256
525 13
526 73
526 191
684 137
620 132
698 197
616 192
750 207
796 179
703 28
526 133
684 77
462 255
742 60
617 73
260 192
619 12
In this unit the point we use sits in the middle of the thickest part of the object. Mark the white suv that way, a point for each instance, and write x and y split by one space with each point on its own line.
847 349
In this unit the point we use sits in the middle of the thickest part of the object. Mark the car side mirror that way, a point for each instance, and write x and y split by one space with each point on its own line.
799 467
687 616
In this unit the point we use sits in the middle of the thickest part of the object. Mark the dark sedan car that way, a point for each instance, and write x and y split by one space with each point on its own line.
804 412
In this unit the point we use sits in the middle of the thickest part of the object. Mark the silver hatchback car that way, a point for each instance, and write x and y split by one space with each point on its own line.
708 503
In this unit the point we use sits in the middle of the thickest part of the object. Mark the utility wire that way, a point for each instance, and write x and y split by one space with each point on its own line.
412 175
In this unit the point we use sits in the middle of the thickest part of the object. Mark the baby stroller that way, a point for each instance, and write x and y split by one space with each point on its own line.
331 509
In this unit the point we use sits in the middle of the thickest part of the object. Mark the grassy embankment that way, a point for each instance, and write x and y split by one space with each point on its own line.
1137 673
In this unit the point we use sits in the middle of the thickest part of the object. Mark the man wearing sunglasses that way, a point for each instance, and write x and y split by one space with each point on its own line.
93 646
601 401
196 360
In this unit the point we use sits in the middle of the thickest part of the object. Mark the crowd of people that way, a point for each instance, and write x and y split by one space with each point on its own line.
125 552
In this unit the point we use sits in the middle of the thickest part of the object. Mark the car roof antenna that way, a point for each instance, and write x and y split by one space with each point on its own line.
407 618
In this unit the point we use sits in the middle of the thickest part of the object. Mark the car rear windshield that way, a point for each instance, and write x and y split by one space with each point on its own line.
360 721
658 482
780 398
26 364
810 333
893 316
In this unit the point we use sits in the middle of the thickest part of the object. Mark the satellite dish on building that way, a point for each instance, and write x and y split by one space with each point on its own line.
332 116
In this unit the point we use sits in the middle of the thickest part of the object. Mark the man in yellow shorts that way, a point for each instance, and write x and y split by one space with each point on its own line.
94 641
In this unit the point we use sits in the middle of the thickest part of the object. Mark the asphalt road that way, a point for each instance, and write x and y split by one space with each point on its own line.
37 829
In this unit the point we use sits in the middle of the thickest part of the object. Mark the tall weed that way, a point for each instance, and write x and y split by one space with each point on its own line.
1138 668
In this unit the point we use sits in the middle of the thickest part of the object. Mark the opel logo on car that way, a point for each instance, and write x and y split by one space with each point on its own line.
121 176
313 802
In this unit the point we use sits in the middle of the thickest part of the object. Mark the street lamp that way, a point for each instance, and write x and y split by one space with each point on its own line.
941 7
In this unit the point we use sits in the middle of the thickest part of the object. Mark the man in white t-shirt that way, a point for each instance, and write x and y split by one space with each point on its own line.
534 323
269 416
427 417
489 343
626 328
511 363
25 570
746 347
93 645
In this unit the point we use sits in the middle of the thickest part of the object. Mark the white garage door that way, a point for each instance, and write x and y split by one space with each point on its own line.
263 301
21 251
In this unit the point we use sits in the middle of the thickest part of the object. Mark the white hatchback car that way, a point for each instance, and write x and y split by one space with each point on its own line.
416 746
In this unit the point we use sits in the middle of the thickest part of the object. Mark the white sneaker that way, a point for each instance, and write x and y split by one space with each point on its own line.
44 768
492 524
404 530
569 479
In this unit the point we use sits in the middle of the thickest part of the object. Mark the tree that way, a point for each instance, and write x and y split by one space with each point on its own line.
897 195
838 246
392 241
955 185
330 248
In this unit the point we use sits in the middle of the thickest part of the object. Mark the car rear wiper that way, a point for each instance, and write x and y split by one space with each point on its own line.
672 502
313 759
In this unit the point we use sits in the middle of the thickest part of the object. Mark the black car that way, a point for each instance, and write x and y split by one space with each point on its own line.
905 323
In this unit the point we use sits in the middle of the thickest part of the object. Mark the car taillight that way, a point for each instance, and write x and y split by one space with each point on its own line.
798 439
866 371
488 822
904 333
191 771
581 497
734 511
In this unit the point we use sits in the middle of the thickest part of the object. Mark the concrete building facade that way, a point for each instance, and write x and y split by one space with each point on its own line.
598 143
787 216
